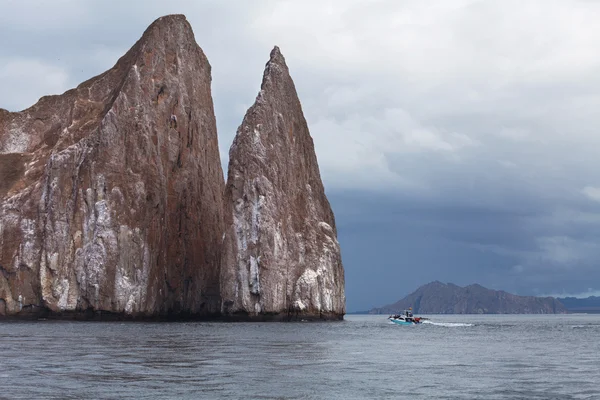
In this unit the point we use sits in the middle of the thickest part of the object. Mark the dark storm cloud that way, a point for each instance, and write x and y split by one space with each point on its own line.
458 140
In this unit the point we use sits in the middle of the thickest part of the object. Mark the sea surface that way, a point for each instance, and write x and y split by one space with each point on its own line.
363 357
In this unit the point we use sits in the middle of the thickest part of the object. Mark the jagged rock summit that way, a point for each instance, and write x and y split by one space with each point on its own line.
111 193
281 258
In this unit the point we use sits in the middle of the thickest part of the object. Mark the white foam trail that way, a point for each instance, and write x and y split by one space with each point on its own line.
448 324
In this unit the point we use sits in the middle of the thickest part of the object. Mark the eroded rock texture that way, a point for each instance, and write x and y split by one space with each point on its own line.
282 256
111 193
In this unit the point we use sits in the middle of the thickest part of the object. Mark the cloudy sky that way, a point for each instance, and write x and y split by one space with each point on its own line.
458 140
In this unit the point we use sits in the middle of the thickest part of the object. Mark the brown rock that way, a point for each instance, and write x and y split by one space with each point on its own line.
111 193
282 257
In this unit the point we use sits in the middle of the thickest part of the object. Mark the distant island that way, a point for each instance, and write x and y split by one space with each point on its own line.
586 305
441 298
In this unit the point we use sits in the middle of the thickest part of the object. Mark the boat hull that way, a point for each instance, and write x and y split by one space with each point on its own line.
400 322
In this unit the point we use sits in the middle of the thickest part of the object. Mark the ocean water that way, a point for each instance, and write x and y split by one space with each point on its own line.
363 357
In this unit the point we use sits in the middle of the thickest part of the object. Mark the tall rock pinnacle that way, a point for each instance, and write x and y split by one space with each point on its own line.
111 193
281 256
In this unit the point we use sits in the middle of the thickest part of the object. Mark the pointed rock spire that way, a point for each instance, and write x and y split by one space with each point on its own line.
115 202
281 256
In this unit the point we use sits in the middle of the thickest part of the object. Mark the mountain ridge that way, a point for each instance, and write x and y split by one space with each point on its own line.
447 298
590 304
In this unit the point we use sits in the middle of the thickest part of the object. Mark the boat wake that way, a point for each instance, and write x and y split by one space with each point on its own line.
447 324
585 326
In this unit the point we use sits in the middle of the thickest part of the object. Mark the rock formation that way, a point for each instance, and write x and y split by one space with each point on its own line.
440 298
111 193
281 258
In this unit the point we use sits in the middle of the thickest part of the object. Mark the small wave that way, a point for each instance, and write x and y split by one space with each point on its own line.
448 324
585 326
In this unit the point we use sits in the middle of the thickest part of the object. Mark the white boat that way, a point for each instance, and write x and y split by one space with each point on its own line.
406 318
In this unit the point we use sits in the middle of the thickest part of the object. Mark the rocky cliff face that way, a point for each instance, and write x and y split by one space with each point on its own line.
282 257
440 298
111 194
